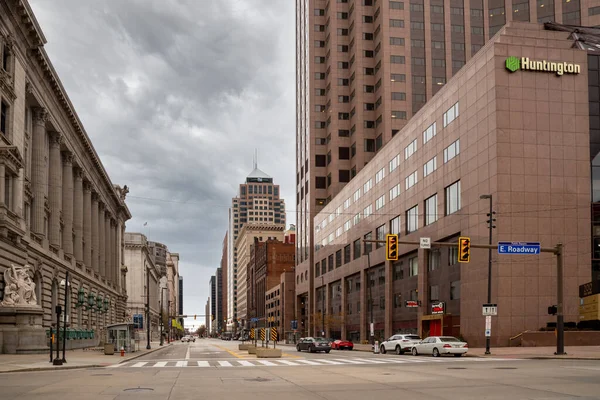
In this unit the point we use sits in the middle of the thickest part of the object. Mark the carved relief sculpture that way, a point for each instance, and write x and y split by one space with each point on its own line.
20 288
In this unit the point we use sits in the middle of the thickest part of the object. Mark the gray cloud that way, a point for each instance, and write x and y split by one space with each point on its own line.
175 95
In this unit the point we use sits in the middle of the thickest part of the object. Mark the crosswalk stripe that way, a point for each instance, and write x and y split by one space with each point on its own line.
347 360
181 364
331 362
265 362
246 363
287 362
160 364
309 362
203 364
139 364
225 364
370 361
116 365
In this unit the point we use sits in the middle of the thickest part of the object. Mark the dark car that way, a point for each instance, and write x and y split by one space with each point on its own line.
313 345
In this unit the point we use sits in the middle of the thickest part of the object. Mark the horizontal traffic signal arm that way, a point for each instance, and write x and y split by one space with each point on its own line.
448 244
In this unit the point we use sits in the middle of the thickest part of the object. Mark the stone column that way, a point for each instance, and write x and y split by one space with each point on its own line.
94 228
67 202
87 224
344 307
111 236
364 281
78 214
3 184
101 247
120 229
55 189
39 170
107 247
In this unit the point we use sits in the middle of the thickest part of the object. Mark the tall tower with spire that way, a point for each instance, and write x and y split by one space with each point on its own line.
256 211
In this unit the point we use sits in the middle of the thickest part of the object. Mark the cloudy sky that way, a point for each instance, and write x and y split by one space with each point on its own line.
175 95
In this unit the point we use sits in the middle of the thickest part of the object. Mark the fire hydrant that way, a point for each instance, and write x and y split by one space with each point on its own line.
122 352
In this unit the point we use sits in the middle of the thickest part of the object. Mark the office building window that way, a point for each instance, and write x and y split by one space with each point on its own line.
431 213
452 198
412 219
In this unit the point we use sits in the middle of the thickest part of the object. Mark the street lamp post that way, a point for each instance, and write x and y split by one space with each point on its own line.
66 310
148 307
161 316
489 288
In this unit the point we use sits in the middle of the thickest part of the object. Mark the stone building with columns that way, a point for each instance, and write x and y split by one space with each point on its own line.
59 210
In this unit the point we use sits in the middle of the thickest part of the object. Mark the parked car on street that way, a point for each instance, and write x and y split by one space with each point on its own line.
438 345
313 345
399 343
342 344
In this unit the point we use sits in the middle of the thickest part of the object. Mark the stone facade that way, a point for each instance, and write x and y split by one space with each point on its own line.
172 292
59 210
279 301
142 270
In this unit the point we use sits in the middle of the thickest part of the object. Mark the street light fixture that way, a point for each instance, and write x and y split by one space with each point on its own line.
491 227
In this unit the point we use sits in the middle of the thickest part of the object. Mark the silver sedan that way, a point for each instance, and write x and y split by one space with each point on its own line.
438 345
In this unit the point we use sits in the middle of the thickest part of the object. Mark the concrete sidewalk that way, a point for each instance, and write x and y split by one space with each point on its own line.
573 352
75 359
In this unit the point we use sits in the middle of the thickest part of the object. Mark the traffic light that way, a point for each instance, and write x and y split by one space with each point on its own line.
552 310
391 247
464 249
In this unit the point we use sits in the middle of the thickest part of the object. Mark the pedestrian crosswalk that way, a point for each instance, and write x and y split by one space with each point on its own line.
324 362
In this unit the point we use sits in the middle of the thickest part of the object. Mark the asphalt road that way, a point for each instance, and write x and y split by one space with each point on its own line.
464 378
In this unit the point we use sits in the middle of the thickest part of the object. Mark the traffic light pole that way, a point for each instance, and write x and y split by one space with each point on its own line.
557 250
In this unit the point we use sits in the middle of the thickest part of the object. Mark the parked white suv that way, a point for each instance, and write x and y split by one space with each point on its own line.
399 343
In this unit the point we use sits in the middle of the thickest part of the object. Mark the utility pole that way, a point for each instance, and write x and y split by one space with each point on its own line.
491 227
148 307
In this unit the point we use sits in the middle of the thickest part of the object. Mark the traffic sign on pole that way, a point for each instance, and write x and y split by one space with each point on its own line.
519 247
425 242
490 309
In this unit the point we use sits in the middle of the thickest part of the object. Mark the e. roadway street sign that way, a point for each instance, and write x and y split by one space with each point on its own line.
519 248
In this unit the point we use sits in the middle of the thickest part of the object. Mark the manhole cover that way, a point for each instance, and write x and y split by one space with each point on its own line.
456 368
257 380
505 368
138 389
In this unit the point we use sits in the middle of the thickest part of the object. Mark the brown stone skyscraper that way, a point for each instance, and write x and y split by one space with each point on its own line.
365 67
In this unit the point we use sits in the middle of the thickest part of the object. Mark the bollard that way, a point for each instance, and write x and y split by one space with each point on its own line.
376 347
122 352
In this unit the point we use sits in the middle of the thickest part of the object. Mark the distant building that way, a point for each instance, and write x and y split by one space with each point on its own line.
268 260
219 300
258 202
180 305
279 301
223 287
212 300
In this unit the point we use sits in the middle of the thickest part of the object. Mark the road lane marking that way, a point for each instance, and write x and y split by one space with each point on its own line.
187 354
370 361
229 351
225 364
160 364
139 364
347 360
203 364
286 362
331 362
181 364
267 363
309 362
246 363
116 365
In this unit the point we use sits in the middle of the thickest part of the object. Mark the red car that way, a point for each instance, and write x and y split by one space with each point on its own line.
342 344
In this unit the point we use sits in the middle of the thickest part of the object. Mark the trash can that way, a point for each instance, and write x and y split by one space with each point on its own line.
109 349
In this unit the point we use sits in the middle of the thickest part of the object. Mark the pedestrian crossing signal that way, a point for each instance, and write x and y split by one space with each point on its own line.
391 253
464 249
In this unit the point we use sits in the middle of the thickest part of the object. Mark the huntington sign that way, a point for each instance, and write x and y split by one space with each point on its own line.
514 64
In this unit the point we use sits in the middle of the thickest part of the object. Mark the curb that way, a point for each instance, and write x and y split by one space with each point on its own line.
143 354
54 368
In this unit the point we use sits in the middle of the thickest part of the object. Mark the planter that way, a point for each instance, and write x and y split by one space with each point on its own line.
251 349
109 349
268 353
244 346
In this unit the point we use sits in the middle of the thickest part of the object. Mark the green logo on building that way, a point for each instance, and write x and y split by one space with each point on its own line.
513 64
